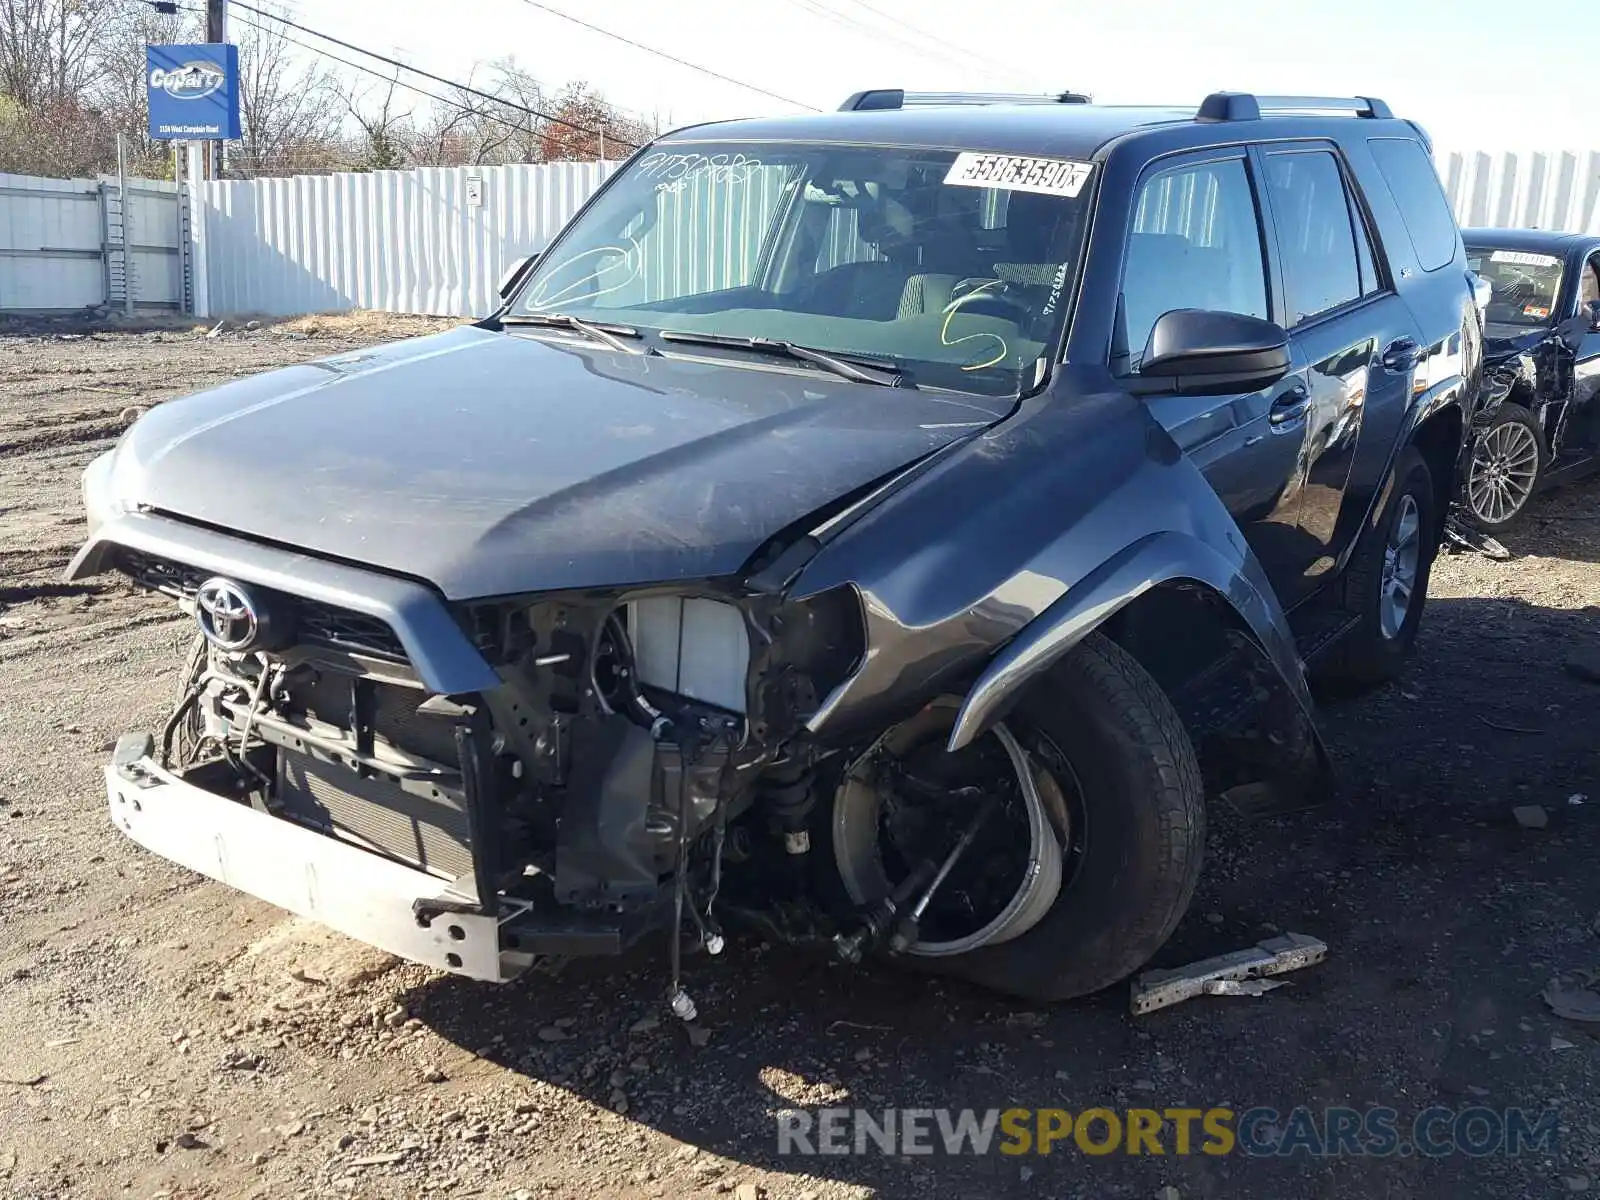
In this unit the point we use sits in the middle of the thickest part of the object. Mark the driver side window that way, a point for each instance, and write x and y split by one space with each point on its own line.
1590 289
1195 243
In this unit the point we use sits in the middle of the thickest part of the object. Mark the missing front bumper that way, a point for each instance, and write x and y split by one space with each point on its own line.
342 886
338 885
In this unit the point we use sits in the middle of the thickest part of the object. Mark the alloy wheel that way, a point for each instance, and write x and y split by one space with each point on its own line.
1401 559
1505 466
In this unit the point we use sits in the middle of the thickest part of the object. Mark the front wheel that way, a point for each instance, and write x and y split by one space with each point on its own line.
1503 474
1086 819
1386 582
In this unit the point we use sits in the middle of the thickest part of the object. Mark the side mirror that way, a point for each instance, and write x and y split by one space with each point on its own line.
516 273
1195 351
1593 309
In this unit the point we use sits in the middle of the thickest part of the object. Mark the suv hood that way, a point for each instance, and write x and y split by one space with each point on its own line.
495 463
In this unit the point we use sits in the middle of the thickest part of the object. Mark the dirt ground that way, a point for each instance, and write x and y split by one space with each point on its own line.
161 1035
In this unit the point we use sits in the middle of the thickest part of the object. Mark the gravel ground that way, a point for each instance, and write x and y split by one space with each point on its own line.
164 1036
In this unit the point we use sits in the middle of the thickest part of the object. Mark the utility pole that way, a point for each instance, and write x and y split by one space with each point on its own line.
216 32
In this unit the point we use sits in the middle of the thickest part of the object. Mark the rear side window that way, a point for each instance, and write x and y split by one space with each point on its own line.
1414 183
1196 243
1321 268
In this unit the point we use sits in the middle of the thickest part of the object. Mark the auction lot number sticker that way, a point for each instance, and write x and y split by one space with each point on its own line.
1016 173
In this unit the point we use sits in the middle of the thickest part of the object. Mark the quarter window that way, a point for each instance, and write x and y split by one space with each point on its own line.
1589 292
1413 182
1196 243
1311 209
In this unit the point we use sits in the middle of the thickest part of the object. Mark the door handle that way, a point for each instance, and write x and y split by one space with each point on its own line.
1290 406
1401 355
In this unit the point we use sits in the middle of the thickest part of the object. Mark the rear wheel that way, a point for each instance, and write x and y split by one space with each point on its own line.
1386 582
1089 827
1504 471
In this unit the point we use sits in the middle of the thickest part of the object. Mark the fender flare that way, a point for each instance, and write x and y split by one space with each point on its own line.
1158 558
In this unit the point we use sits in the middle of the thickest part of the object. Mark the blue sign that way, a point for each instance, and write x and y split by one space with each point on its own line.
193 91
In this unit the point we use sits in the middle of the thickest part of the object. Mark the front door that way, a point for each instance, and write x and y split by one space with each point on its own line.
1197 242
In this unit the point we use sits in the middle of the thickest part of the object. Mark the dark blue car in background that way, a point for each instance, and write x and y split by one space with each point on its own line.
1540 425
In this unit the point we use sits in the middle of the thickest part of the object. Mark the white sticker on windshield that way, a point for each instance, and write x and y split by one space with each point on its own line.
1016 173
1523 259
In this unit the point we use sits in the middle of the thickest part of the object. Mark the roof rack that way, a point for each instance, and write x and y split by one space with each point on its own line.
1244 106
878 99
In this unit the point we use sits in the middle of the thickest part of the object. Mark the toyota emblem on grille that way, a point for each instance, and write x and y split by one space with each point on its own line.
227 615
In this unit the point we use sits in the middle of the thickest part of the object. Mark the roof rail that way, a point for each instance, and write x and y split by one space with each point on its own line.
1244 106
878 99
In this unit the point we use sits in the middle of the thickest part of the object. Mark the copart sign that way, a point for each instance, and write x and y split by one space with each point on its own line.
193 91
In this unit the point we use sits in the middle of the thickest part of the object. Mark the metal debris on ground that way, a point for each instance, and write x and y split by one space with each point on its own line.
1574 997
1243 987
1160 989
1464 537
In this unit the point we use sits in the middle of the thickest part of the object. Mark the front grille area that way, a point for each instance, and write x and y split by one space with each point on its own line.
325 625
318 624
429 831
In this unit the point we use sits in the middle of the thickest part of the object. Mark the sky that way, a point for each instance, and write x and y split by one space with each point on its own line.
1473 78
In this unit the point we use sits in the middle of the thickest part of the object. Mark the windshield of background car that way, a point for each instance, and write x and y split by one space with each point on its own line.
949 266
1524 285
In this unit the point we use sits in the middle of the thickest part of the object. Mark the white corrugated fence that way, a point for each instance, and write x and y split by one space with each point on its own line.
69 244
432 240
1557 189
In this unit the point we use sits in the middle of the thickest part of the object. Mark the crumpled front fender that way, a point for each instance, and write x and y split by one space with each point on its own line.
992 564
1158 558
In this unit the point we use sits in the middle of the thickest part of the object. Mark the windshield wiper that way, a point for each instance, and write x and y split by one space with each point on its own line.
843 367
606 334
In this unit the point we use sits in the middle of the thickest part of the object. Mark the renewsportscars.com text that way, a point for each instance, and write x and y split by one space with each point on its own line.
1257 1132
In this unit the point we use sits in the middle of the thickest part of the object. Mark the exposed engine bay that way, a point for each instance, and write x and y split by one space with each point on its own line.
645 764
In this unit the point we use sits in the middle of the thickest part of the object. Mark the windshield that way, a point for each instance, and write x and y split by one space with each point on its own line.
1524 285
949 267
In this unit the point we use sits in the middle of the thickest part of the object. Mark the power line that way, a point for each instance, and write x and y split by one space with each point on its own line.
411 87
394 62
682 62
993 64
845 21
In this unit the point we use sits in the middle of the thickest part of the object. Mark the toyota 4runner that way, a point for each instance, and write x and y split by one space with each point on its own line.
882 528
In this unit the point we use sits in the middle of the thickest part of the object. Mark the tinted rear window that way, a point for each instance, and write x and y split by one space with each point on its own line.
1415 186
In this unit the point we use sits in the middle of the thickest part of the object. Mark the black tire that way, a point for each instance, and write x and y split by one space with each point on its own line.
1497 486
1138 831
1370 653
186 738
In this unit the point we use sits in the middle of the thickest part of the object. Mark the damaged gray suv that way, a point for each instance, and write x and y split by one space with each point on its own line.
881 529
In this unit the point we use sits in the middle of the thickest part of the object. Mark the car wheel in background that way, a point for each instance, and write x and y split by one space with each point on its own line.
1503 473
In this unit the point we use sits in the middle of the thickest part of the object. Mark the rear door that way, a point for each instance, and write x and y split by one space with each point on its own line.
1353 340
1197 241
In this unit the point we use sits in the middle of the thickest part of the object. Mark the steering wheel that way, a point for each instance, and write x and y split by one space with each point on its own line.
990 298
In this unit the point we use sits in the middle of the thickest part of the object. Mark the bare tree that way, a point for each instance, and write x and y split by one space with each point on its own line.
290 111
385 133
120 91
51 50
586 114
60 139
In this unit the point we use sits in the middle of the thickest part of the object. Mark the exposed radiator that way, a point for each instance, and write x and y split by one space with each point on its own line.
425 831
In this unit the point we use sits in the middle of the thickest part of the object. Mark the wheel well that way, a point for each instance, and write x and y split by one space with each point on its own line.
1245 723
1438 440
